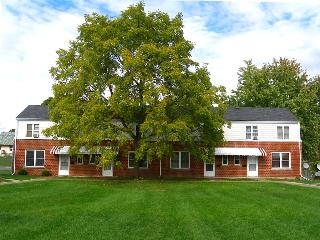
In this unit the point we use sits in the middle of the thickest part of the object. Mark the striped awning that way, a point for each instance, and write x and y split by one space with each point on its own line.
56 150
65 150
240 151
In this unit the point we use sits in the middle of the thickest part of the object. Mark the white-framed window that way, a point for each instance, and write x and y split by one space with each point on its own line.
281 160
32 130
224 160
237 160
131 159
79 159
34 158
252 132
180 160
283 132
92 159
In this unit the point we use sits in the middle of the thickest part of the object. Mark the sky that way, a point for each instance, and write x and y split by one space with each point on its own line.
224 34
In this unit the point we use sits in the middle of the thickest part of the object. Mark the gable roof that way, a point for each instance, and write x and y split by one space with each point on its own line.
7 138
36 112
259 114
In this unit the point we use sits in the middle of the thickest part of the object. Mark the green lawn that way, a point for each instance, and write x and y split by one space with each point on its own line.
5 161
111 209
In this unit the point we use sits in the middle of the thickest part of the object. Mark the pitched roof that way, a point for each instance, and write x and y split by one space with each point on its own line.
259 114
36 112
6 138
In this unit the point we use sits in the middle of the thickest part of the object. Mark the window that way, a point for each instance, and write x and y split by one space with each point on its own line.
32 130
79 159
224 160
92 159
237 160
252 132
283 132
131 159
180 160
281 160
34 158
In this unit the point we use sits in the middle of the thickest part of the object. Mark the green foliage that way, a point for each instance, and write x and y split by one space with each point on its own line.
22 171
283 83
45 173
131 79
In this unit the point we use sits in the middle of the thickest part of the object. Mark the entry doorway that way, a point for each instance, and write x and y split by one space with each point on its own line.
64 163
107 171
252 166
209 169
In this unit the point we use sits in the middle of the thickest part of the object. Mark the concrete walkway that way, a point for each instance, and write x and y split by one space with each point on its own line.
5 181
309 185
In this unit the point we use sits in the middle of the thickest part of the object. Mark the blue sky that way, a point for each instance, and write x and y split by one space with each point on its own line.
224 33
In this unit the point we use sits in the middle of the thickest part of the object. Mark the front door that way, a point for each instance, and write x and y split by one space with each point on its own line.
252 166
209 169
107 171
64 165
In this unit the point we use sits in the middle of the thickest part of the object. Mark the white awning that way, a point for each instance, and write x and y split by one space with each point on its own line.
240 151
65 150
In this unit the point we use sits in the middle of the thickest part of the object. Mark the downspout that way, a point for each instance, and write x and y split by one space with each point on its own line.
160 168
15 150
300 153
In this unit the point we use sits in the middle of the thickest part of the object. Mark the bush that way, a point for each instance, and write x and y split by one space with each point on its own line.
46 173
22 172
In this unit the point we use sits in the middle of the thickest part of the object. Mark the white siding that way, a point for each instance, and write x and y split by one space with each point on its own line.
267 131
21 130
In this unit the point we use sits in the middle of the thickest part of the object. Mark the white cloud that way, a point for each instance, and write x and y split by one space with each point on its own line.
224 33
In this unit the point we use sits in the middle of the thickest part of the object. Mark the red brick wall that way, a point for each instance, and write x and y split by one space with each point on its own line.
51 162
264 163
196 167
153 170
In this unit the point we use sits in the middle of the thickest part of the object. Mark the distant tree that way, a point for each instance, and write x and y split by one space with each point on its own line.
47 101
12 130
131 79
283 83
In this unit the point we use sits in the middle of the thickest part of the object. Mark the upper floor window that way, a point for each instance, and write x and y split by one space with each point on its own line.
283 132
34 158
281 160
32 130
131 159
180 160
252 132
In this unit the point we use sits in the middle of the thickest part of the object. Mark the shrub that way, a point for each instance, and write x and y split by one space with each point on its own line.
45 173
22 171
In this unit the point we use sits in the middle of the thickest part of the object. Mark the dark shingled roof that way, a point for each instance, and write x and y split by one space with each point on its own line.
37 112
259 114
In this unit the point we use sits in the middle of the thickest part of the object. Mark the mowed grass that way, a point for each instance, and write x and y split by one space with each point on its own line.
150 209
5 161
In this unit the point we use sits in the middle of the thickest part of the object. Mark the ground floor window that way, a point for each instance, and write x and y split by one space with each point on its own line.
131 159
224 160
79 159
92 159
34 158
281 160
180 160
237 160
